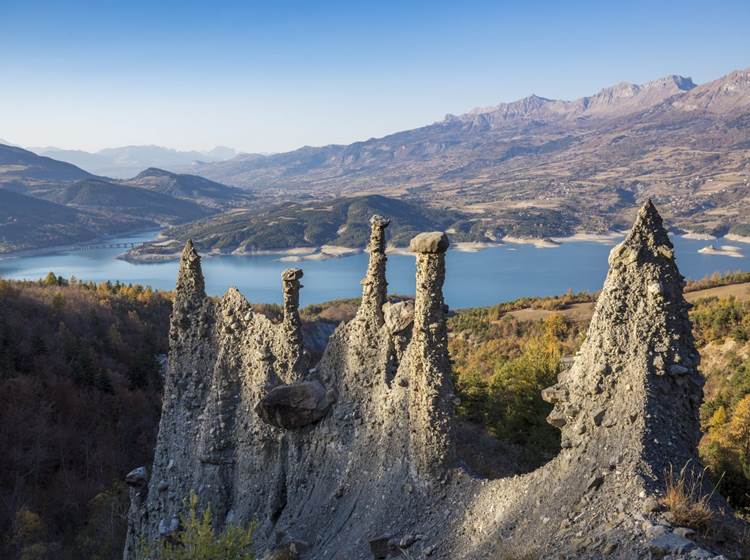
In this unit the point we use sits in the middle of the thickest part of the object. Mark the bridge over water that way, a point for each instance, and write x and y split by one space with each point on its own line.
118 245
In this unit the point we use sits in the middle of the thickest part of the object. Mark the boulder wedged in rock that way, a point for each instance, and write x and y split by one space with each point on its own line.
137 478
376 473
398 316
296 405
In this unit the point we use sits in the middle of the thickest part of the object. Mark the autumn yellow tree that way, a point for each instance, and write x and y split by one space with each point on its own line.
738 433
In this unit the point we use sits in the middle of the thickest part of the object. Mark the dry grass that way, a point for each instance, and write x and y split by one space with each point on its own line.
685 498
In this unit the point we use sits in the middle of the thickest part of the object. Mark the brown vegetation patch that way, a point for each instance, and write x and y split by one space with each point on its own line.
686 500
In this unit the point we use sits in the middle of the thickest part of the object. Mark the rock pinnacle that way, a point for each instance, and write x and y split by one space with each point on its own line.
190 277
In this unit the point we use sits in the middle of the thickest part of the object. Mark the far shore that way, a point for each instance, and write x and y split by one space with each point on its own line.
72 246
539 243
325 252
606 238
321 253
474 246
699 236
737 238
723 250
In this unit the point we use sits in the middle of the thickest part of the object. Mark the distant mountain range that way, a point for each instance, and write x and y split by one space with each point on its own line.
126 161
585 163
535 167
41 196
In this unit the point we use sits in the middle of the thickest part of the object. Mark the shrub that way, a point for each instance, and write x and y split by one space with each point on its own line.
197 540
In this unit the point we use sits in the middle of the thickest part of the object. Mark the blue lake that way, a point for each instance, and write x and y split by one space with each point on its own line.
473 279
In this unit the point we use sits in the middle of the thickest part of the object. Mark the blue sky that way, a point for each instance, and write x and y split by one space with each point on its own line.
273 76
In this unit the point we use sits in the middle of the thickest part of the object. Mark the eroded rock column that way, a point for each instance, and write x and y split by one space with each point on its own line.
190 291
374 285
190 321
431 391
290 280
190 277
153 511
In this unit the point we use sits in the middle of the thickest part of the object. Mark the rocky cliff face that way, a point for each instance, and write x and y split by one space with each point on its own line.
355 458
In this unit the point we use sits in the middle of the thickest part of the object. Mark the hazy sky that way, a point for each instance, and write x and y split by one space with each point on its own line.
276 75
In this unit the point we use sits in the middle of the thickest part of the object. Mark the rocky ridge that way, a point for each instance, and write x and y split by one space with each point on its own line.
619 99
535 164
355 458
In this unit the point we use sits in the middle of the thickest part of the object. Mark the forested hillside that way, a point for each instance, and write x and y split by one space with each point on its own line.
80 399
338 221
27 222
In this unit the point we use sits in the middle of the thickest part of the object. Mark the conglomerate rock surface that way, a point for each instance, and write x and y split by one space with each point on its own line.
370 469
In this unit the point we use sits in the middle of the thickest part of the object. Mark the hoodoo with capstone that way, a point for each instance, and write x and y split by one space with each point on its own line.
356 459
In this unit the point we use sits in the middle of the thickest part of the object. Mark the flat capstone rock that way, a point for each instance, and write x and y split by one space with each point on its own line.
430 242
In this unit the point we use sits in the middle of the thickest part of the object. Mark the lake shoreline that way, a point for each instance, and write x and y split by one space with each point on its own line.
723 250
738 238
52 249
326 252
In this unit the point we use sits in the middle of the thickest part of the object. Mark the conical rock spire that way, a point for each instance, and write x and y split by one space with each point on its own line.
647 239
635 384
190 284
190 293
